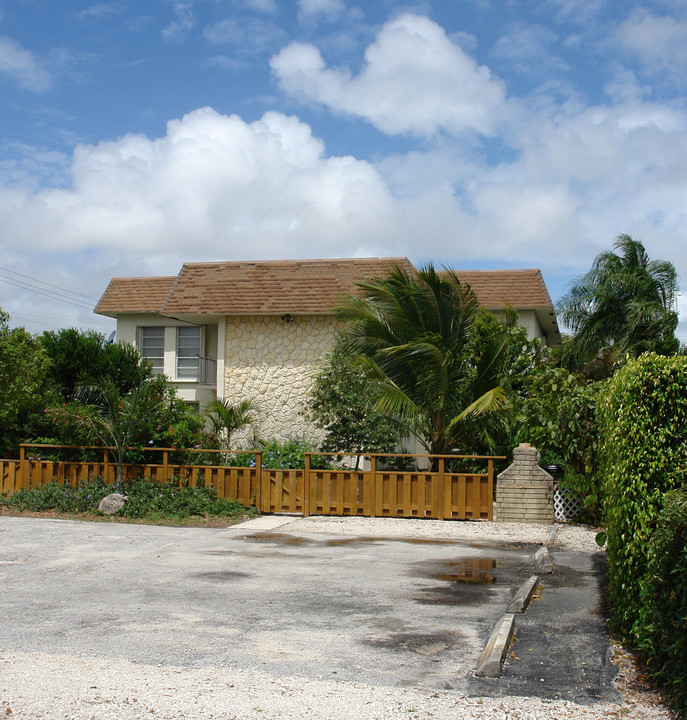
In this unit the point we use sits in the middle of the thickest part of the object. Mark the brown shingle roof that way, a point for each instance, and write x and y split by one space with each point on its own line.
517 288
245 288
294 286
139 295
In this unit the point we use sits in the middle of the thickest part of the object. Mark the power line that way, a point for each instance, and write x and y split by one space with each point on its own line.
46 293
42 282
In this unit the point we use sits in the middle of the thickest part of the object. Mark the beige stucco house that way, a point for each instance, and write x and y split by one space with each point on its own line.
257 329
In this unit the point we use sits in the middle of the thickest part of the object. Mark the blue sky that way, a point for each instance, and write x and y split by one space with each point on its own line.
478 133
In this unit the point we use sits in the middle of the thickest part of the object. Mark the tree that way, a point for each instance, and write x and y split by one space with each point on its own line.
79 356
226 418
115 419
341 403
625 305
412 333
24 379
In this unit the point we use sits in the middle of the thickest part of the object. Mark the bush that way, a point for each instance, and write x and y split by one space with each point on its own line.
280 455
555 411
145 500
643 423
662 624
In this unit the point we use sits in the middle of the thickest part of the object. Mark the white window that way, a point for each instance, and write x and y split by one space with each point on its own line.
188 352
153 347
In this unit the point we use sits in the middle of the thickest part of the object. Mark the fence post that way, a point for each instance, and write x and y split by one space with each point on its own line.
165 465
23 467
306 486
258 481
490 489
373 485
440 494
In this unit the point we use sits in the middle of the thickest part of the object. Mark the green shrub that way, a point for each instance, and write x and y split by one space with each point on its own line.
280 455
662 625
643 422
555 411
145 499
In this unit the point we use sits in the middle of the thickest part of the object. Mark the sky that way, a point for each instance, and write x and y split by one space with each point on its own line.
480 134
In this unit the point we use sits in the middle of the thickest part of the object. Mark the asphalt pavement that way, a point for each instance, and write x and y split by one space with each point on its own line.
394 612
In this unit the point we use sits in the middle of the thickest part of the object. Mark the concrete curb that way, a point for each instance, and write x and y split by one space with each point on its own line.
491 661
552 535
542 561
495 651
523 596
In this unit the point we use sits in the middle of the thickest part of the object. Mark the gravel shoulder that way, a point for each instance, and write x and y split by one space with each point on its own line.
52 686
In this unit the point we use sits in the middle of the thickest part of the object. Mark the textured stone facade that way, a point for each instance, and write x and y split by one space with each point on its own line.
524 492
272 361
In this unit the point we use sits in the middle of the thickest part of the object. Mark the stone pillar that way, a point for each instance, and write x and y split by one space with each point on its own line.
524 492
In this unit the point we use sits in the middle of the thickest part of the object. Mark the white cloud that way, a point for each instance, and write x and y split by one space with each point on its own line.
22 66
314 9
660 42
527 49
251 37
185 20
214 186
415 81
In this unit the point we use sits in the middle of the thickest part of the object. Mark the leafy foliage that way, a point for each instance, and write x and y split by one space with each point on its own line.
25 384
625 305
145 499
643 423
226 418
662 625
150 415
412 333
85 357
555 410
280 455
342 403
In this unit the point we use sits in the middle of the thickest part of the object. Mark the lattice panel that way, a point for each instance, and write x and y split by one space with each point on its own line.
565 507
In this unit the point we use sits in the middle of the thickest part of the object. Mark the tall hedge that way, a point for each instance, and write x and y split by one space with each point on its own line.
662 627
643 425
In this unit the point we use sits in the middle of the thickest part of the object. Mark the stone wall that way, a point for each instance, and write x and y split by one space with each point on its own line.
272 362
524 492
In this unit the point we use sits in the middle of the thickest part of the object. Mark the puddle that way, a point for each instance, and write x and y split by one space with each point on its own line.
277 539
454 594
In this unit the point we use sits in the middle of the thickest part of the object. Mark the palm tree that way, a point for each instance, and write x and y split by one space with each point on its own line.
412 332
625 305
118 417
226 418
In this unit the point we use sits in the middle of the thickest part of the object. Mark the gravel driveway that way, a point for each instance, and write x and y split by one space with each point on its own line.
282 618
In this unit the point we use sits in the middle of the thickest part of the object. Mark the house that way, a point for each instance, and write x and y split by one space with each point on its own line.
258 329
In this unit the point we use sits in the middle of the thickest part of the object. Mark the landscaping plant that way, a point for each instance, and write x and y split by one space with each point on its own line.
643 425
146 500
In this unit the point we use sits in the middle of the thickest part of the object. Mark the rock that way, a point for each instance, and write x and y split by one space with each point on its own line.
111 503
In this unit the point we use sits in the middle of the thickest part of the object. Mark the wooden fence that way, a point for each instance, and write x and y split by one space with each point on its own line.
440 493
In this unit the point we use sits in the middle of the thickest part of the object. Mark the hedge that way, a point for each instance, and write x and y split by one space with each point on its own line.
643 425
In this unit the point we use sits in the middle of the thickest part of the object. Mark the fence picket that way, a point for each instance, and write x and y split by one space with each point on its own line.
372 493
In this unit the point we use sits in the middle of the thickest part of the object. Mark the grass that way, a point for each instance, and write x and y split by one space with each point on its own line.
148 502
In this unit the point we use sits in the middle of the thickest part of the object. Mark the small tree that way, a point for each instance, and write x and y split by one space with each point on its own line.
25 386
342 403
118 419
226 418
412 333
85 357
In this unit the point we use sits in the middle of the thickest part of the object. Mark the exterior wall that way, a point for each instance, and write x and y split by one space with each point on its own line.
188 390
272 362
526 319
